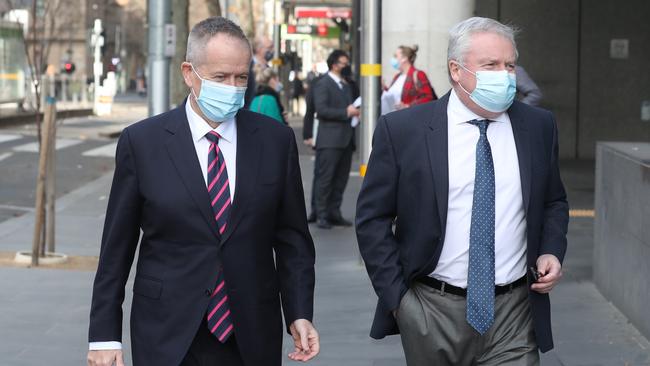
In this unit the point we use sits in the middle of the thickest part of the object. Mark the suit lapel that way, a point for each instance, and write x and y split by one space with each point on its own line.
248 160
182 152
522 142
438 156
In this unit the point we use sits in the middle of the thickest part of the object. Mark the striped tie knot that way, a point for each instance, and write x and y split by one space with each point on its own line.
213 137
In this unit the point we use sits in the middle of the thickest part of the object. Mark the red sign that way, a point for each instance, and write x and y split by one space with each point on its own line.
328 13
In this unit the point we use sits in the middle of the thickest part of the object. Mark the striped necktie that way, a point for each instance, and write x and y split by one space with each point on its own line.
218 315
480 277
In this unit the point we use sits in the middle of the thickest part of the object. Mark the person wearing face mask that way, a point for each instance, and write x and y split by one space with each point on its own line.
410 86
212 194
267 97
333 98
473 186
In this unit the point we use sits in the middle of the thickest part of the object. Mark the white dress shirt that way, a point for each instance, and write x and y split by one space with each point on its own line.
337 79
510 220
228 145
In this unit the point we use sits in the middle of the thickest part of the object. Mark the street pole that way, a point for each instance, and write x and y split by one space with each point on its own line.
370 75
98 67
158 80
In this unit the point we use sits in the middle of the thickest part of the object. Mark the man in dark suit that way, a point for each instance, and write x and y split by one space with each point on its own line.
216 192
472 184
335 140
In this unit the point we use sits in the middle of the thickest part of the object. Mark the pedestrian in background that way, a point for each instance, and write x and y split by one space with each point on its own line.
527 91
410 86
473 185
267 97
335 140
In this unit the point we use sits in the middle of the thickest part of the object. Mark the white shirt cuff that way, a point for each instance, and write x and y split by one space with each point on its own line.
104 346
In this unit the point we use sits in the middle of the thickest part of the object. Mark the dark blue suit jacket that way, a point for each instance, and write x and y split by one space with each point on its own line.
408 180
158 188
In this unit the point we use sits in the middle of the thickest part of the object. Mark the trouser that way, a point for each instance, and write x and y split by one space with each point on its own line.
333 171
435 331
206 350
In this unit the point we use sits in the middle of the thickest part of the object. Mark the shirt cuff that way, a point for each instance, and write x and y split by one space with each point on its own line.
104 346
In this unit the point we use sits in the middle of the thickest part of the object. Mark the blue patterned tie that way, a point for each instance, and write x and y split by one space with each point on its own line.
480 278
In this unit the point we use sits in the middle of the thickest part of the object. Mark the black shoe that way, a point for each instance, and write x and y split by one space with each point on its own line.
340 221
323 224
311 218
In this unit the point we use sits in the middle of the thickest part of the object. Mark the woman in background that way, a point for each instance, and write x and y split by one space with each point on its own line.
267 96
410 86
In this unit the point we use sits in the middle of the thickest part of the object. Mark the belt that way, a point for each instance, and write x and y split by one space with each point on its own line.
447 288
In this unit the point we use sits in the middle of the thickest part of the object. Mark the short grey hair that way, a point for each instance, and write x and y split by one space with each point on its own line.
460 35
203 31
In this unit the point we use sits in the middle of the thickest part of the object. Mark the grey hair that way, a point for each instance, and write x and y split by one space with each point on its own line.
203 31
460 35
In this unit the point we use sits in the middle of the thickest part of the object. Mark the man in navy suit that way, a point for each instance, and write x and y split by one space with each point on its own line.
216 192
462 217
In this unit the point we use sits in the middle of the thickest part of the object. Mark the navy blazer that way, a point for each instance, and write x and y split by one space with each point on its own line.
159 189
408 180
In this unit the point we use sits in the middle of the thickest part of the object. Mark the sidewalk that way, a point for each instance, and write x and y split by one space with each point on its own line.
44 312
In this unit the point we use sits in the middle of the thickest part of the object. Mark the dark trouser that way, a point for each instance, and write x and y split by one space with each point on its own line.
206 350
313 189
333 171
434 330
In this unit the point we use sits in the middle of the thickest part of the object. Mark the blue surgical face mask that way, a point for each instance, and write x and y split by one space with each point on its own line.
495 90
218 101
279 87
394 62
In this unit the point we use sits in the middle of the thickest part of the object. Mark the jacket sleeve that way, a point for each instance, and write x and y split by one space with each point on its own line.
556 207
376 209
324 110
119 242
295 254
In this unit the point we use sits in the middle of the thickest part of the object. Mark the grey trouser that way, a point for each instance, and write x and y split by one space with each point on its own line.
434 330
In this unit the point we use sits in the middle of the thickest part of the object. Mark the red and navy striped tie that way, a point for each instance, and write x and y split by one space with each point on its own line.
218 316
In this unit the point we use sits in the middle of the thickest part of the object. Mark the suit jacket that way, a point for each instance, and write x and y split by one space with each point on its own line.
158 188
334 129
408 179
310 110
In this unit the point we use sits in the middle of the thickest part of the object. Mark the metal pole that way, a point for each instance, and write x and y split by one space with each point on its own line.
370 75
158 82
98 67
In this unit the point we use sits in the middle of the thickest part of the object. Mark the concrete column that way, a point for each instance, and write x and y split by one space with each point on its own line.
425 23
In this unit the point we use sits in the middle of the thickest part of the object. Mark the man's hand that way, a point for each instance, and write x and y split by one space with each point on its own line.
309 142
305 340
550 270
106 358
353 111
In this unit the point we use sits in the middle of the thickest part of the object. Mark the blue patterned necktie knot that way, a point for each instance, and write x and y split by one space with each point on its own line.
480 277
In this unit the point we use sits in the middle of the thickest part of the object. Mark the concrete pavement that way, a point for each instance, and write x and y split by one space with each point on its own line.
44 312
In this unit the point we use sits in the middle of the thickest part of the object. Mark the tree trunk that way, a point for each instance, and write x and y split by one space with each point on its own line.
178 92
214 8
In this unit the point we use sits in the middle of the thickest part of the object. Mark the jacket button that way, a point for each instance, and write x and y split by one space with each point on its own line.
208 292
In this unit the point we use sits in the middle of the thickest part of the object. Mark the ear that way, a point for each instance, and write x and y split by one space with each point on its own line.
188 74
454 70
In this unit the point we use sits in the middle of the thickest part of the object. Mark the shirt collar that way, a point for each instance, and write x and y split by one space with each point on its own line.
336 78
199 127
459 113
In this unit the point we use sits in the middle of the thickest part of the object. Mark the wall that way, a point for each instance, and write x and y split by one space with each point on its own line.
564 45
425 23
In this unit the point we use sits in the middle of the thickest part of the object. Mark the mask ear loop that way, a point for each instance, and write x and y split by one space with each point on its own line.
466 69
192 88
